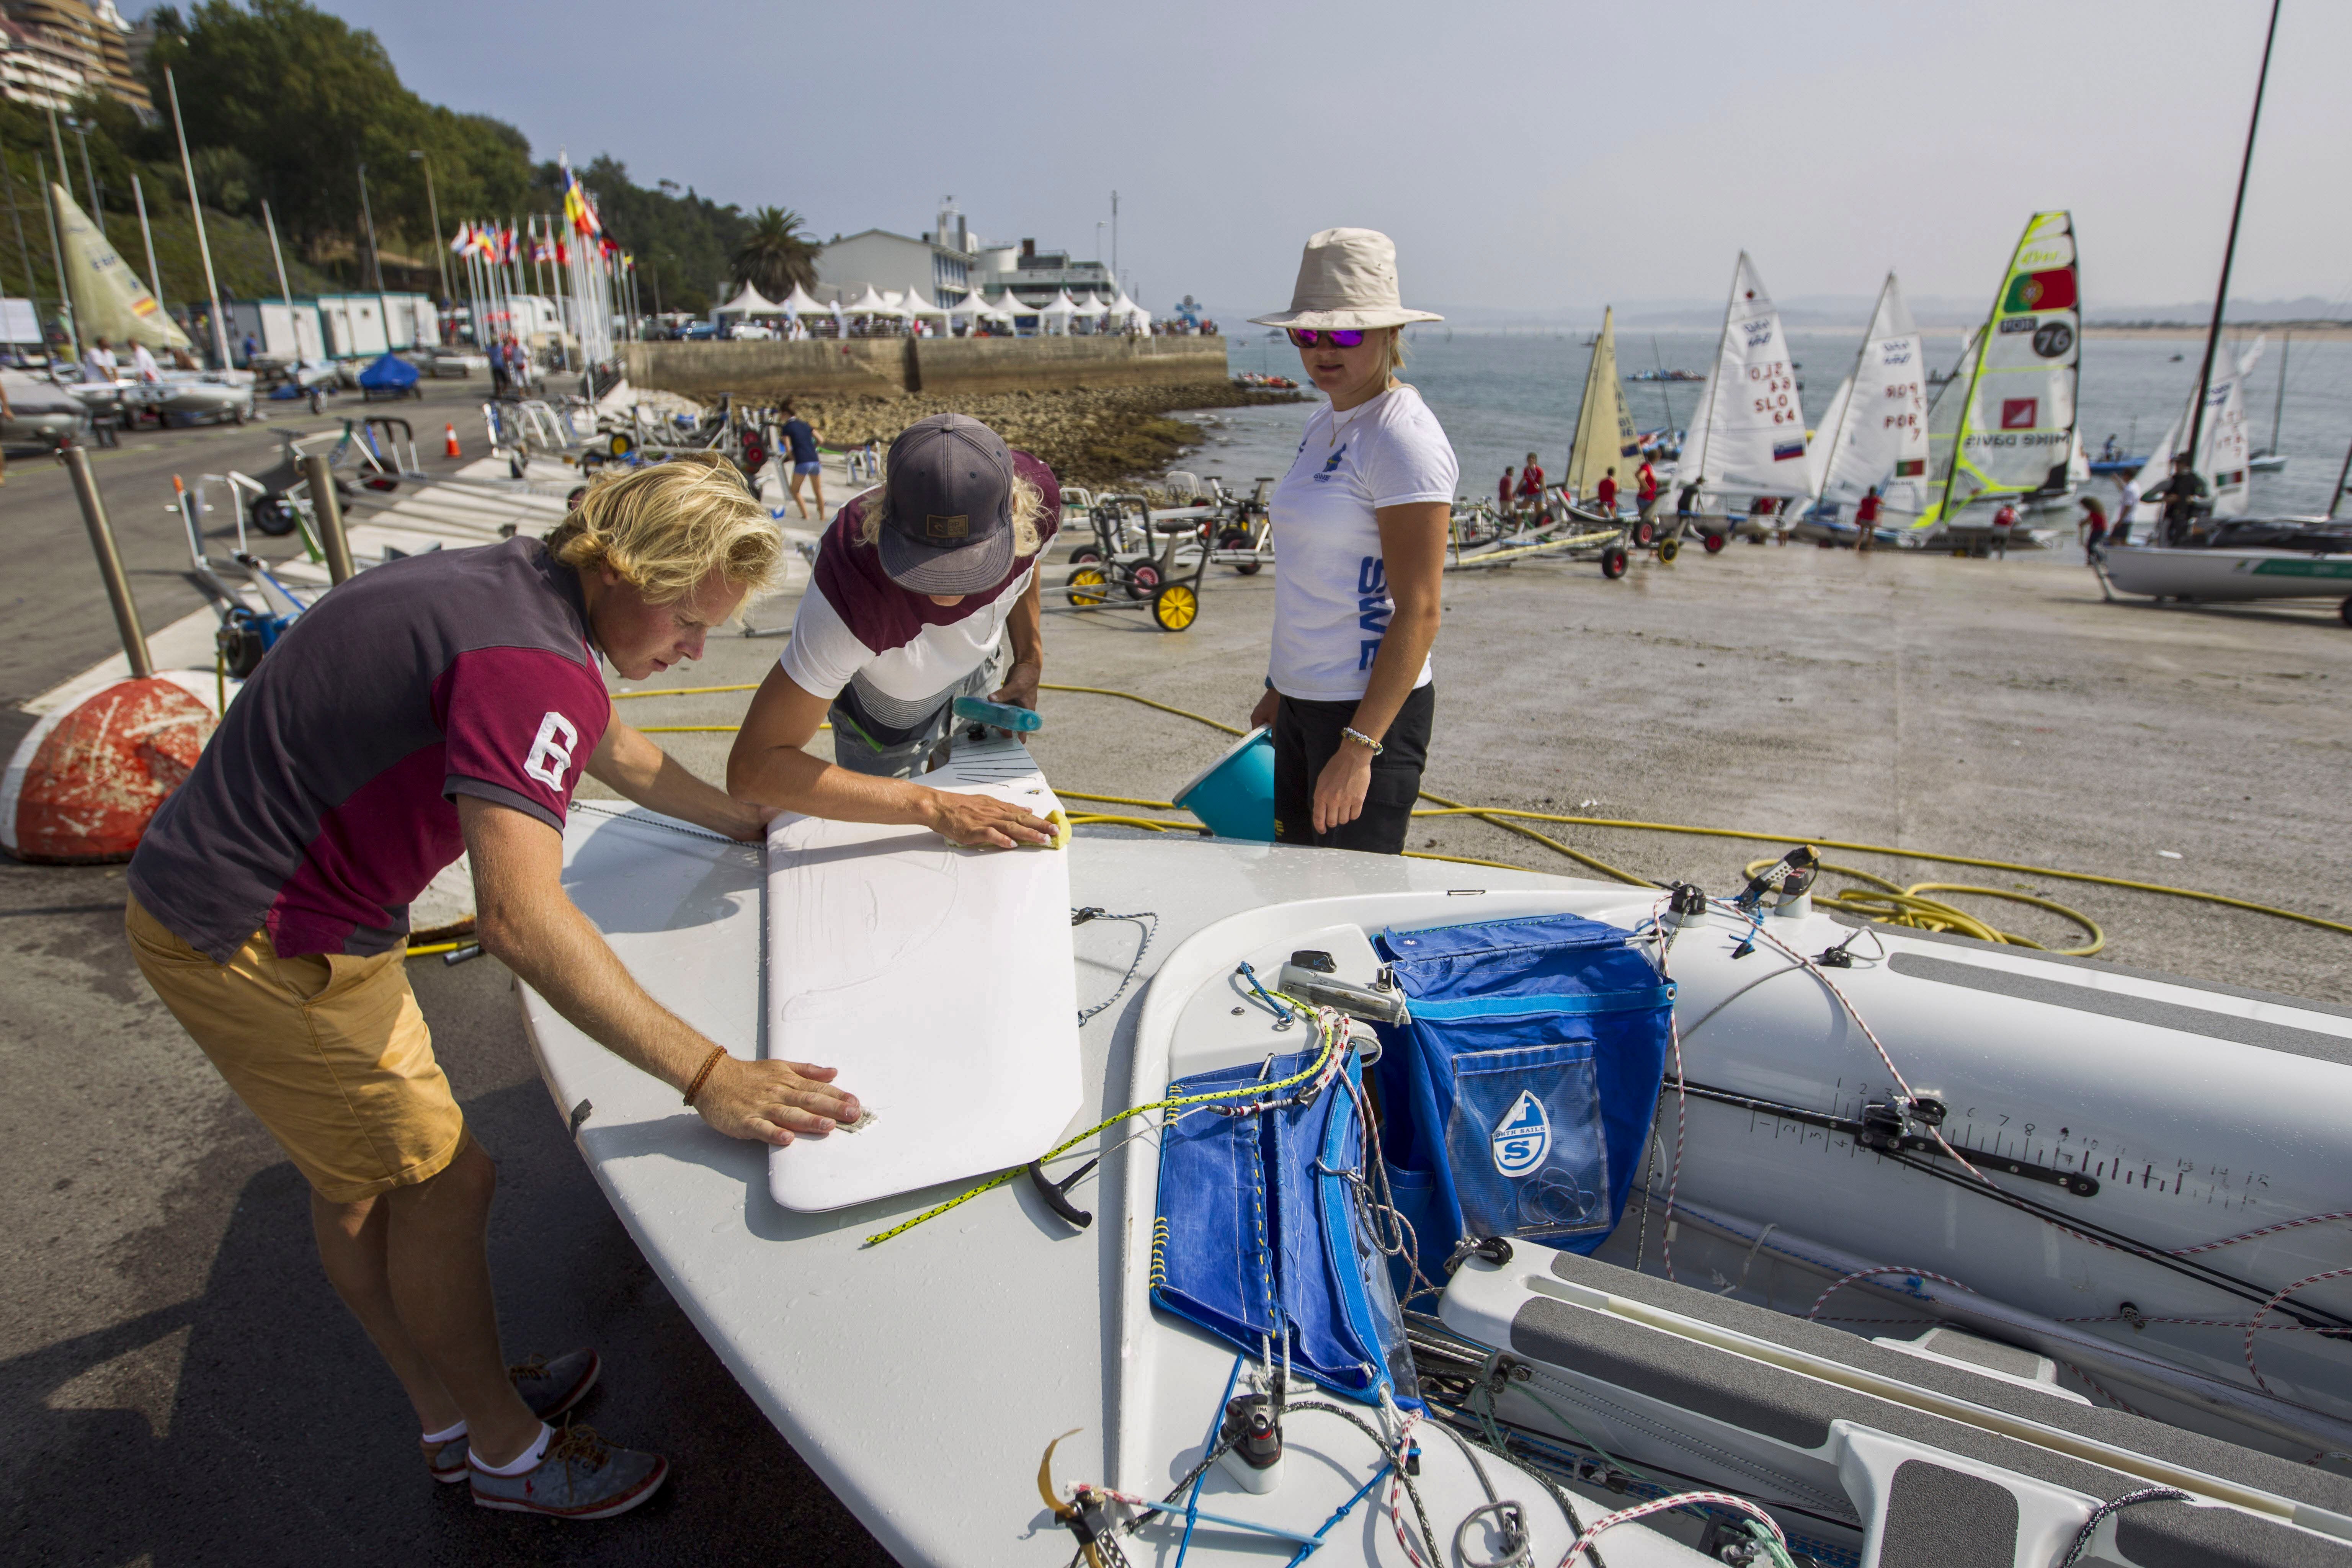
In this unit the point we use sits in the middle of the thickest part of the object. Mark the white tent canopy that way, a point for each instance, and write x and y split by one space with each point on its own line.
1057 315
750 302
1005 309
798 302
870 304
913 302
1123 308
971 305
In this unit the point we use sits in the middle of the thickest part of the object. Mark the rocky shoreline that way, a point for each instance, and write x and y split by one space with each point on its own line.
1105 437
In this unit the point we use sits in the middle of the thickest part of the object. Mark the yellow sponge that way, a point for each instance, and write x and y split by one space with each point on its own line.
1061 821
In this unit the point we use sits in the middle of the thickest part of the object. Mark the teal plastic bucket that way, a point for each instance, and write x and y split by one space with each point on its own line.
1235 794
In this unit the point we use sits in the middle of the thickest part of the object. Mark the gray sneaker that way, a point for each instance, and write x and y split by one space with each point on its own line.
549 1387
580 1476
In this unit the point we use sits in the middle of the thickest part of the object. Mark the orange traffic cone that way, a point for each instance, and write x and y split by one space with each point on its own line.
452 432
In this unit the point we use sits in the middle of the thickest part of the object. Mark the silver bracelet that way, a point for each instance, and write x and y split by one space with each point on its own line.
1362 740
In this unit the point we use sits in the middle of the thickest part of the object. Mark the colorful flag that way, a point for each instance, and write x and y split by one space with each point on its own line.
2052 291
577 209
464 239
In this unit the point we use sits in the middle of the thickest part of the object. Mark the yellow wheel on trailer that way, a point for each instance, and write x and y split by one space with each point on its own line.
1669 548
1086 588
620 444
1175 606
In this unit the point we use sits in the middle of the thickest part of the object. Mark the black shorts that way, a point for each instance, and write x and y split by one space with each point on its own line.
1307 735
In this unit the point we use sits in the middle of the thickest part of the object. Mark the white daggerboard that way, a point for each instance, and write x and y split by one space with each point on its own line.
939 979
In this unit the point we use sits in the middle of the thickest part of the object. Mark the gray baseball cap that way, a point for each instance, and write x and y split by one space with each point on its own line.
947 509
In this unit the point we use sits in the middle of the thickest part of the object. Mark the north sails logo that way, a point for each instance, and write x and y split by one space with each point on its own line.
1523 1137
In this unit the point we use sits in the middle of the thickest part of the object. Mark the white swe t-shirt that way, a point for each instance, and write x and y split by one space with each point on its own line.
1331 600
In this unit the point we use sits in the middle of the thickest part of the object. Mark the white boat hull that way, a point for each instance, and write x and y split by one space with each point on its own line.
922 1378
2221 576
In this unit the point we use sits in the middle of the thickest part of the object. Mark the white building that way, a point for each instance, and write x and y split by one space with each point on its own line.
950 261
939 264
1037 276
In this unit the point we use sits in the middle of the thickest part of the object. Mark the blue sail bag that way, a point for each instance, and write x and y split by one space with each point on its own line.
1260 1236
1517 1100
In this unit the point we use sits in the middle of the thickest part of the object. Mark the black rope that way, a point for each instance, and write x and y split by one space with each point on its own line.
1145 921
2115 1505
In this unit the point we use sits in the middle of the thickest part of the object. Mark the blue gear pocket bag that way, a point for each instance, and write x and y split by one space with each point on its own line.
1517 1099
1263 1237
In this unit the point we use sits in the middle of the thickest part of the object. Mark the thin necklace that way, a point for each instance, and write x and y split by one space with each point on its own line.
1332 440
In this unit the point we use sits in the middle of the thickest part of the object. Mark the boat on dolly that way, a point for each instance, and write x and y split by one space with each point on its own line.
1357 1243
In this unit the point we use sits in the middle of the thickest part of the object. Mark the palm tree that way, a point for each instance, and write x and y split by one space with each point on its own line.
775 253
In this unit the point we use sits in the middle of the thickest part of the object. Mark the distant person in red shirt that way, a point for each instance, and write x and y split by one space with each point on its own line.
1531 485
2093 532
2004 523
1503 491
1866 518
1646 488
1605 493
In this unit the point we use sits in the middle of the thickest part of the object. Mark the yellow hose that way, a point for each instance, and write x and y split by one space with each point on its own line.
682 691
1511 819
1885 902
1454 809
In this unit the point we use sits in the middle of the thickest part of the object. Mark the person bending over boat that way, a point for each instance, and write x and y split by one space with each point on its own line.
445 703
1359 524
2182 493
919 585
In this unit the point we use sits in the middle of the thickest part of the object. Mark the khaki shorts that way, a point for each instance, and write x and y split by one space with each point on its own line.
329 1051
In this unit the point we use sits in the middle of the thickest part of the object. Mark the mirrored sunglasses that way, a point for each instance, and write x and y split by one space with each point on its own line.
1337 337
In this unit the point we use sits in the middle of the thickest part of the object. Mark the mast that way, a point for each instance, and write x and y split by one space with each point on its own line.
2229 251
1853 387
2278 402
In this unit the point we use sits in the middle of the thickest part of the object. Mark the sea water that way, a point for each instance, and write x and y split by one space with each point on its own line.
1501 396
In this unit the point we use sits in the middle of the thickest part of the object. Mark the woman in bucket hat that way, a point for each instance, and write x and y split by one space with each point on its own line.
920 583
1359 527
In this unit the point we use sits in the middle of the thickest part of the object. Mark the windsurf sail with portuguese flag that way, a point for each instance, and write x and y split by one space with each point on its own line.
1875 431
1605 437
2004 425
1748 434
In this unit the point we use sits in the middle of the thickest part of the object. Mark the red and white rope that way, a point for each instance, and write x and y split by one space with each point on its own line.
2275 1301
1661 1505
1822 1299
2266 1230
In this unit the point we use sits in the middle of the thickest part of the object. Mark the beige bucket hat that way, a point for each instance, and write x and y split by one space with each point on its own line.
1347 278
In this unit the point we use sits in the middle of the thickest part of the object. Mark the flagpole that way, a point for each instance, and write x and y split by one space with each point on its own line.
197 211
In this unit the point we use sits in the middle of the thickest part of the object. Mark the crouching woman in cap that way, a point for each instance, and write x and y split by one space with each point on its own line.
920 583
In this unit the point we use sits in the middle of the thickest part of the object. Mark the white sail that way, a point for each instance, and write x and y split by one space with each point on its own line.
1605 437
2222 450
1875 434
109 300
1750 431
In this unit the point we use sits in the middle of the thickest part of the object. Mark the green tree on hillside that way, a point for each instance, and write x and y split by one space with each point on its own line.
776 254
306 98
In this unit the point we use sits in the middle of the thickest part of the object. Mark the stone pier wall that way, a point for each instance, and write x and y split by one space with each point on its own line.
939 367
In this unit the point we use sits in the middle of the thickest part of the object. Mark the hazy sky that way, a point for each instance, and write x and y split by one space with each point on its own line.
1523 156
